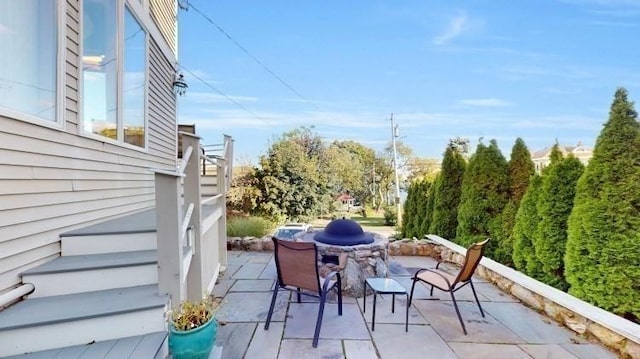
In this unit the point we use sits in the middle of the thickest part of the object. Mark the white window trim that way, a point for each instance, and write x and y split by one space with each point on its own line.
136 9
60 68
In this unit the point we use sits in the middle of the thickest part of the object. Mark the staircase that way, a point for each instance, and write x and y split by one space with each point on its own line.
98 299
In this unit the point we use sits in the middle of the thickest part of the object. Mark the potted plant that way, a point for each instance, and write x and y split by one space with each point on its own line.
192 329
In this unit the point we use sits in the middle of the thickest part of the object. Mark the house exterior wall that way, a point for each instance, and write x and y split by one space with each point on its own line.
55 179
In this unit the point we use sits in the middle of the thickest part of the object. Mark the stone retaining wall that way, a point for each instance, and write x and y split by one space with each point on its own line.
583 318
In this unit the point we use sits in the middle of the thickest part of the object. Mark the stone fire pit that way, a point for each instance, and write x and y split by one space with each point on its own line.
354 262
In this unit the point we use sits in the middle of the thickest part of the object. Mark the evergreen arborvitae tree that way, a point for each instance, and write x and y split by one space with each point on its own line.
409 211
524 256
447 190
554 206
602 261
484 195
428 209
422 193
521 169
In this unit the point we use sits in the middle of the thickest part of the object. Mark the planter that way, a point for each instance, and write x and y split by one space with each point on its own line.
193 344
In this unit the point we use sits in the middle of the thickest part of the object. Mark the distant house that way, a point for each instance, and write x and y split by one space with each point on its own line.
347 201
541 158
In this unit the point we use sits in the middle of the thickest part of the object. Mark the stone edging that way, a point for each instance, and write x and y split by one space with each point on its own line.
583 318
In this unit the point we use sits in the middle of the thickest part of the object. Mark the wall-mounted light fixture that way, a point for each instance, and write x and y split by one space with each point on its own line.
179 85
183 5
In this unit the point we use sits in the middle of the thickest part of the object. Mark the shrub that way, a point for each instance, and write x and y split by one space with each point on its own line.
426 212
390 216
521 169
554 206
248 227
524 256
603 247
484 195
447 190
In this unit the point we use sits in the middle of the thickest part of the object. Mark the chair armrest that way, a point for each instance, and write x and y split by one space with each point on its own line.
327 280
437 272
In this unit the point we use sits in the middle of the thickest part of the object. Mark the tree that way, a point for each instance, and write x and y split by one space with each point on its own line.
484 195
602 261
521 169
288 177
427 208
409 210
524 256
447 191
554 206
349 166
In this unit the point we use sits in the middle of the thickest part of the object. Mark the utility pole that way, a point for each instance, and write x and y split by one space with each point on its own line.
394 134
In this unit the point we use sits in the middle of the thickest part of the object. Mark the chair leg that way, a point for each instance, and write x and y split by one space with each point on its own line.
476 296
455 305
273 304
412 288
339 286
316 335
298 294
431 292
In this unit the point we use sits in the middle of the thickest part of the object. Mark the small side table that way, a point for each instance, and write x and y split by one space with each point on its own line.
384 286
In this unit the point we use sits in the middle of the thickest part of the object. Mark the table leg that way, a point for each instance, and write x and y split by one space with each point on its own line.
373 318
406 320
364 298
393 302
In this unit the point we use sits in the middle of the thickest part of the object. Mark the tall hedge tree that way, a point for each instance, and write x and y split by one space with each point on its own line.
447 191
484 195
554 206
524 255
409 210
521 169
427 217
603 248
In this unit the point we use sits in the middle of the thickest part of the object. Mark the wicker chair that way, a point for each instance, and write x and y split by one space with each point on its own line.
451 283
297 266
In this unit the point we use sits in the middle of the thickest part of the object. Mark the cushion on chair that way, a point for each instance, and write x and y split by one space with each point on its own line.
437 280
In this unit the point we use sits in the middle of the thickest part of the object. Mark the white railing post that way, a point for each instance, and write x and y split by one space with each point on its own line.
196 285
169 224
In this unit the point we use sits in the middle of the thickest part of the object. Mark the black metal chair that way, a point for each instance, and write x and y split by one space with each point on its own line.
297 266
451 283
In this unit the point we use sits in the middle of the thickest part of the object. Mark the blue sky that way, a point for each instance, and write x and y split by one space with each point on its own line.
537 69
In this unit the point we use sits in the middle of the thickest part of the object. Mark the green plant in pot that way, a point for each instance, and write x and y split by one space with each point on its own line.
193 328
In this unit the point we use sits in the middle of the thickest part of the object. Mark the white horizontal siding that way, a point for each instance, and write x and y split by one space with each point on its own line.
56 180
164 13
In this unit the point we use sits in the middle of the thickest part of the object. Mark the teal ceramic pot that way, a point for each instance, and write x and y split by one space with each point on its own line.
193 344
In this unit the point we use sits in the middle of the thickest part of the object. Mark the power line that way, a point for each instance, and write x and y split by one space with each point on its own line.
222 93
254 58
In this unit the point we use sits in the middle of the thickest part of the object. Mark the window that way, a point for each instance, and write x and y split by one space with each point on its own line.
114 62
133 94
29 45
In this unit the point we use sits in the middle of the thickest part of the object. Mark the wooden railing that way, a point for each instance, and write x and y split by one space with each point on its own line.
191 249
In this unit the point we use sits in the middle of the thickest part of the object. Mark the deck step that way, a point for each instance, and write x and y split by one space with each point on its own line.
107 243
46 323
150 345
85 273
133 232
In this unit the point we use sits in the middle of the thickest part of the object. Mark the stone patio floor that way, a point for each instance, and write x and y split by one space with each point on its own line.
509 329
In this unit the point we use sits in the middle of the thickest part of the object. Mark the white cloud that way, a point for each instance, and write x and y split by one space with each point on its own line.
486 102
455 28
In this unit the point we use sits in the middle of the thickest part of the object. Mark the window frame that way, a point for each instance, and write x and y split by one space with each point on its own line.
135 9
60 87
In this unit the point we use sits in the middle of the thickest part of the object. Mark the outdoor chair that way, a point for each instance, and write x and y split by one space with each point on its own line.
297 266
451 283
